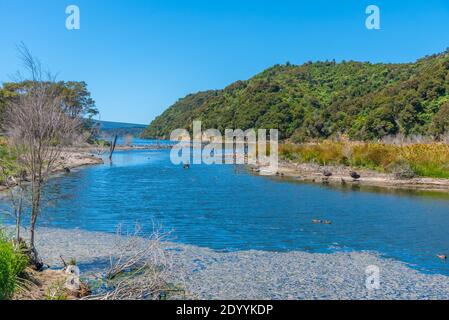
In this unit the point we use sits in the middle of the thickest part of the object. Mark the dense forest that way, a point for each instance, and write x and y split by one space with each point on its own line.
319 100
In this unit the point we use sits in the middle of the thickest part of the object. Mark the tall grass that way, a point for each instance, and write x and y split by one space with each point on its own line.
12 265
424 159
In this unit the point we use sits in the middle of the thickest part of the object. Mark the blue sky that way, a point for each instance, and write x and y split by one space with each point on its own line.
140 56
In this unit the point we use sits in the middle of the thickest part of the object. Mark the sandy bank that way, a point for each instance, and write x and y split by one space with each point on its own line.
75 159
70 159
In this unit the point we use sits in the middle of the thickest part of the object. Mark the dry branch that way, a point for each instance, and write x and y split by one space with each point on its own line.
142 269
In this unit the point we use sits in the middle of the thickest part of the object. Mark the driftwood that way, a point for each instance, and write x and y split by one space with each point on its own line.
141 270
63 261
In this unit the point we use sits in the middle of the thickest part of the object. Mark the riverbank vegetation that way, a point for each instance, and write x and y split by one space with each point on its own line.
405 160
8 162
12 265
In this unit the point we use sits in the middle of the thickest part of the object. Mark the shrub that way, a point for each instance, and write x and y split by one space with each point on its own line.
12 264
401 170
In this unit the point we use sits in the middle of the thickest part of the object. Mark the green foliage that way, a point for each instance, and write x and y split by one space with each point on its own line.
56 292
77 100
319 100
102 143
441 120
12 264
8 164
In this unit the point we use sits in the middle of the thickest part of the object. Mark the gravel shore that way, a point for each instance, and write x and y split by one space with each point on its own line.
307 172
208 274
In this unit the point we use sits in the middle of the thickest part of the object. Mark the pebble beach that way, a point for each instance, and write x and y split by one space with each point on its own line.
209 274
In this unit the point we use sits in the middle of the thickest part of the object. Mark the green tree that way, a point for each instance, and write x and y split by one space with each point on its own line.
77 99
440 121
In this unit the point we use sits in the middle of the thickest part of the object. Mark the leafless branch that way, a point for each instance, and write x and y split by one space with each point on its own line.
141 270
38 128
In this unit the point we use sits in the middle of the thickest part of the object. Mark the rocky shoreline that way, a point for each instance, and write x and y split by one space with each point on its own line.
314 173
208 274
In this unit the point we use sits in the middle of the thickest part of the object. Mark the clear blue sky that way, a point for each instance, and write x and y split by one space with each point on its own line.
140 56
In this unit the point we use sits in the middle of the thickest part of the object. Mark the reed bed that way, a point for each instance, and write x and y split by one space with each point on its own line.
419 159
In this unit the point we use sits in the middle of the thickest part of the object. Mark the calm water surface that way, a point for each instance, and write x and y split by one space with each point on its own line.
226 208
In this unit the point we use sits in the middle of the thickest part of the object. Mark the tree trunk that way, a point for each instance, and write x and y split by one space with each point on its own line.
114 143
36 199
19 218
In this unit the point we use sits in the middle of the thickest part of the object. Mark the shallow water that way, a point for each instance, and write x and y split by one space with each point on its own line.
227 208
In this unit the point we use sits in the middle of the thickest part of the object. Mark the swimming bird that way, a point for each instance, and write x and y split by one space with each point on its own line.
442 256
315 221
326 222
354 175
186 166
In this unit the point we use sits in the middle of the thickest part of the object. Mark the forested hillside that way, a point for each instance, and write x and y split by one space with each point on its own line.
109 128
318 100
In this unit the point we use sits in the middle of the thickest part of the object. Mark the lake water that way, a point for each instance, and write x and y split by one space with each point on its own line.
227 208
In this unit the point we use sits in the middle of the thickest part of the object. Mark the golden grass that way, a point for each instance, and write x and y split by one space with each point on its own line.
425 159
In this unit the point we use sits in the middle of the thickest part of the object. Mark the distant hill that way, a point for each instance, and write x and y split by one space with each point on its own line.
110 128
318 100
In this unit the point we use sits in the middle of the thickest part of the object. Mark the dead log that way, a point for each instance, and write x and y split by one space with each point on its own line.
113 145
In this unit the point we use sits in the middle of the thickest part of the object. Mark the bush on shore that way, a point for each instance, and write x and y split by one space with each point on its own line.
8 165
404 161
12 265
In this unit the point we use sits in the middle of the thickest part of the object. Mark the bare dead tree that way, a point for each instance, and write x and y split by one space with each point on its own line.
113 145
17 198
37 129
16 195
